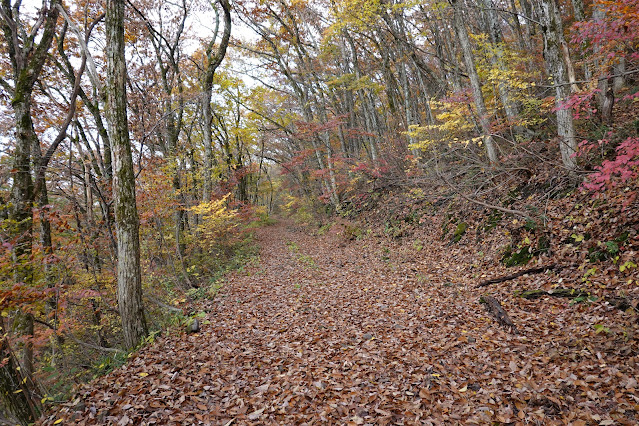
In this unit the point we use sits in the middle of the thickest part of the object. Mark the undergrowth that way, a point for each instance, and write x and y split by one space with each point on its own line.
170 308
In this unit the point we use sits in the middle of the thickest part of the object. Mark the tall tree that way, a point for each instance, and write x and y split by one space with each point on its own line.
126 214
471 69
28 51
214 58
553 36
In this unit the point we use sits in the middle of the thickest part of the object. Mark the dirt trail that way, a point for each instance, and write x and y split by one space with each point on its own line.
325 330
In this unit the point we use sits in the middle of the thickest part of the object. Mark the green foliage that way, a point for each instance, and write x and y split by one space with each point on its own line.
393 229
516 256
603 251
307 260
493 220
217 223
323 229
524 251
352 232
583 298
626 266
301 209
459 232
302 258
262 218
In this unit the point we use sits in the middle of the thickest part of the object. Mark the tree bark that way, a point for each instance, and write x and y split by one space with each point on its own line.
552 30
214 60
14 390
469 60
494 307
130 304
27 58
497 59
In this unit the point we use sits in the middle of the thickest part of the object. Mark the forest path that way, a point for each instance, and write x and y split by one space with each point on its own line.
345 332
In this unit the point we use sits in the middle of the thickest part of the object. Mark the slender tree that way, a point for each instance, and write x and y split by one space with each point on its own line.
28 52
126 215
469 60
553 34
214 58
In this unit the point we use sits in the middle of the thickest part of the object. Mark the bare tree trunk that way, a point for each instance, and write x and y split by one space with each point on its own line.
214 59
469 60
552 29
497 59
15 392
578 8
619 69
126 215
27 58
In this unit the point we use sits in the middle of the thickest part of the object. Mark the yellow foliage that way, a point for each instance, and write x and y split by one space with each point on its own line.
217 220
354 14
454 124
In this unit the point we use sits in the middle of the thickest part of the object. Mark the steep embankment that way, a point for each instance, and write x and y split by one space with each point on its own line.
373 331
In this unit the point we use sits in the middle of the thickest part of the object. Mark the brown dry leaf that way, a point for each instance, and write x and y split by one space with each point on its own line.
291 335
256 414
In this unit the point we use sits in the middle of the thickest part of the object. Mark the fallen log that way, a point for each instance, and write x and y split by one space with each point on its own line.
494 307
556 292
618 302
537 270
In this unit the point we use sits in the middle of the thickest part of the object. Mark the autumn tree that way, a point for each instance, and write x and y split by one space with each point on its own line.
134 325
213 58
27 49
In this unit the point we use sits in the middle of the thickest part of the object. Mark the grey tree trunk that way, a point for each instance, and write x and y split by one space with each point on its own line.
552 29
469 60
497 59
130 304
619 69
28 51
214 59
578 9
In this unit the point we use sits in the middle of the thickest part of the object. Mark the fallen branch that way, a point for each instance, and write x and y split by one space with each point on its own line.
68 335
92 346
621 303
163 305
556 292
494 307
537 270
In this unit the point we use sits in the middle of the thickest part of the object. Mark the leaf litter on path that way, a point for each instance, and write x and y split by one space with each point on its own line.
369 332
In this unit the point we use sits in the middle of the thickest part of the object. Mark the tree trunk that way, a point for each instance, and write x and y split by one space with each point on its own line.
27 60
214 59
469 60
497 59
557 69
16 394
126 216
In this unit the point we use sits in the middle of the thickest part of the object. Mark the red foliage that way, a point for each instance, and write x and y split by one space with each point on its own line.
615 35
611 173
583 104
